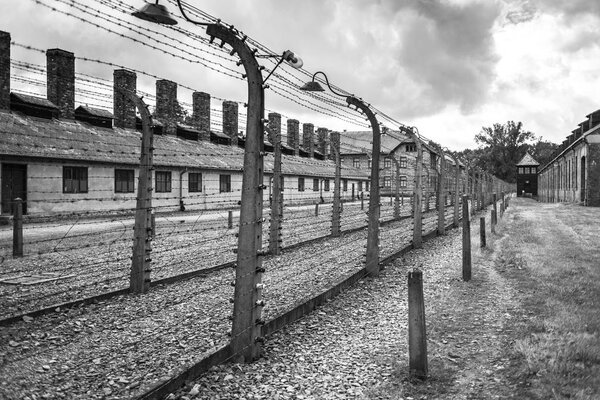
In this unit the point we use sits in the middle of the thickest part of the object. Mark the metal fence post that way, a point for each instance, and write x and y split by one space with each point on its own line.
417 335
466 242
18 228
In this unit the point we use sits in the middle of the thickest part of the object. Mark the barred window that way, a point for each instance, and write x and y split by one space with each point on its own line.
300 184
224 183
163 181
403 182
194 182
315 185
403 162
124 181
326 185
75 180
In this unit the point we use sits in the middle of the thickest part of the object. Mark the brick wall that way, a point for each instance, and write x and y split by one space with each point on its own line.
201 114
274 127
4 70
230 120
60 73
166 105
123 107
293 135
593 174
308 139
322 141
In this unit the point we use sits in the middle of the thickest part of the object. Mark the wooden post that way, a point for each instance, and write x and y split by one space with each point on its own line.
417 194
492 224
141 263
495 201
362 201
456 199
482 232
274 129
417 335
229 219
246 332
466 244
317 210
18 228
502 205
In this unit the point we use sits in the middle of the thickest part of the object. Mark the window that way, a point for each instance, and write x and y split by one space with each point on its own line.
360 186
315 185
387 181
345 185
124 181
403 162
369 163
356 162
75 180
194 182
163 181
224 183
403 182
521 170
432 160
326 185
411 148
367 186
300 184
387 163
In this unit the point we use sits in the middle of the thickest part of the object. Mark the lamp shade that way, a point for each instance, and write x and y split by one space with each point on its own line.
312 86
155 13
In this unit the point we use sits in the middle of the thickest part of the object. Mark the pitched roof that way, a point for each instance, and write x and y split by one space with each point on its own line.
527 161
360 142
94 112
71 140
33 100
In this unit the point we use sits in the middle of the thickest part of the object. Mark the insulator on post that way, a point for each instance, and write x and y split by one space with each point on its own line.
212 39
259 321
244 76
232 283
266 86
238 62
262 187
234 251
261 67
234 265
232 52
222 44
259 339
232 301
260 270
262 253
230 317
260 286
260 303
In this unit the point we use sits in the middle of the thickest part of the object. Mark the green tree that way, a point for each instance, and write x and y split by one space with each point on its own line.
542 151
503 145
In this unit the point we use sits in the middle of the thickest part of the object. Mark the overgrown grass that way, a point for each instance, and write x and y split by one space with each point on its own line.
557 249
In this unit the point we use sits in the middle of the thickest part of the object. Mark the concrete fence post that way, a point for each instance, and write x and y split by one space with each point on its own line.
18 228
466 241
482 232
417 335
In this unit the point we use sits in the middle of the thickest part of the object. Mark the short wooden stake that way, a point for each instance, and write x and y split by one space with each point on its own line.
230 219
466 245
493 221
317 209
482 231
18 228
417 336
362 202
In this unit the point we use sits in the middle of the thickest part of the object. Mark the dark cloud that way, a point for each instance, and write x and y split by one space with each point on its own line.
449 50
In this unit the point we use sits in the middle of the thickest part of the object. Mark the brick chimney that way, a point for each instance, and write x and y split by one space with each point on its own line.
308 139
322 141
230 120
123 107
274 126
4 70
60 72
334 139
166 105
201 114
293 135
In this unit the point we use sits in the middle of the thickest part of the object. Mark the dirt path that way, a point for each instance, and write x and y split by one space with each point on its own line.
356 345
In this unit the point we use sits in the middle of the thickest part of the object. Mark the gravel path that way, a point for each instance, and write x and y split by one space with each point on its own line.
356 345
120 347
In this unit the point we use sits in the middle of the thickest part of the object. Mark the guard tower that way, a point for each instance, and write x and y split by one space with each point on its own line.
527 184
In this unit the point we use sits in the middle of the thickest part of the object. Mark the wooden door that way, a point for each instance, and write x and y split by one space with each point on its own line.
14 184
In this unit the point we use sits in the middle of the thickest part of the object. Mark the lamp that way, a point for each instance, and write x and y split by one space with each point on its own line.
155 13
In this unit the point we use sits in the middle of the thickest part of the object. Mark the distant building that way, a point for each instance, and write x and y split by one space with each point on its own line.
527 184
573 173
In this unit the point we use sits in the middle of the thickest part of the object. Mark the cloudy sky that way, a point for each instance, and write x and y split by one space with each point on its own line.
448 67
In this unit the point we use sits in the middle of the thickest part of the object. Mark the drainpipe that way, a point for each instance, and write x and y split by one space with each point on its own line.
181 205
